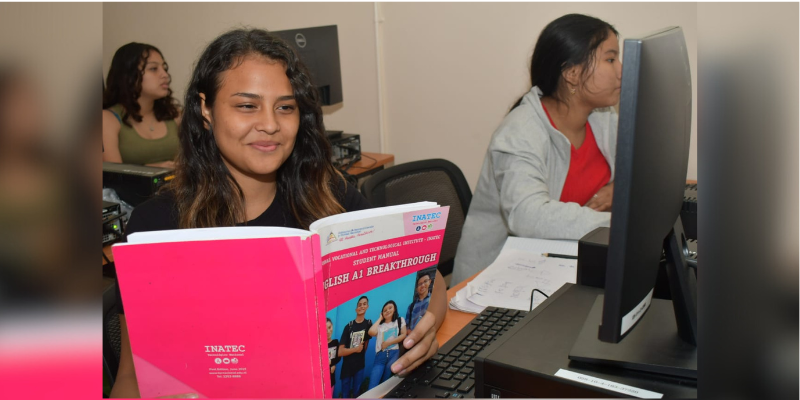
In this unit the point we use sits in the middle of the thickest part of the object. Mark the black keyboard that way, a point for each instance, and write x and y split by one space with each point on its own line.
451 372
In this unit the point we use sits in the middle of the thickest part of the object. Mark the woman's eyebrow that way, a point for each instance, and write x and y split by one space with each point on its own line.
248 95
612 51
260 97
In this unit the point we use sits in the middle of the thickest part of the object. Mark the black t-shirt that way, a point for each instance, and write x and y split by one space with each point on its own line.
333 356
353 334
161 213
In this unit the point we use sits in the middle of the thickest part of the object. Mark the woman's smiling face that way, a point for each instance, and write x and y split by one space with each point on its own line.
388 312
254 117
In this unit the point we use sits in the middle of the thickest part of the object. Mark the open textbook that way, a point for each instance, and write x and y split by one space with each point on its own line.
244 312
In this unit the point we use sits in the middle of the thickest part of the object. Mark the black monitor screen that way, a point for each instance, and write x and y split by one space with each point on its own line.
318 48
651 163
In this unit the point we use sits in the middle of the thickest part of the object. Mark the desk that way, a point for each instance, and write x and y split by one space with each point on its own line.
107 253
454 320
370 163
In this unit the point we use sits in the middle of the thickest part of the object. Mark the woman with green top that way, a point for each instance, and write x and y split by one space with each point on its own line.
140 117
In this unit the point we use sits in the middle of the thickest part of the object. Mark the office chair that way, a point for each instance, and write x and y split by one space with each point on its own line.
426 180
111 335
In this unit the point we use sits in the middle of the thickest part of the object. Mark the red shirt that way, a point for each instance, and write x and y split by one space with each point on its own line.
588 169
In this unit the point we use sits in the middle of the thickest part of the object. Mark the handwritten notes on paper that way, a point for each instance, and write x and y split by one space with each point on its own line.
509 281
520 268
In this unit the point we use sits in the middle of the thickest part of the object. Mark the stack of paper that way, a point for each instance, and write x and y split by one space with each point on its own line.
520 268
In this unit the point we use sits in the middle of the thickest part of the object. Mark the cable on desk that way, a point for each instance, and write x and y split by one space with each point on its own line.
536 290
105 257
374 161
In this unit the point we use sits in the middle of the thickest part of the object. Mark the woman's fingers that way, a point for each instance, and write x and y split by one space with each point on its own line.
421 343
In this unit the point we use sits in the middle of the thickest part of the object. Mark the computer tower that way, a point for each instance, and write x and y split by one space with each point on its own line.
112 222
346 149
532 358
593 256
134 183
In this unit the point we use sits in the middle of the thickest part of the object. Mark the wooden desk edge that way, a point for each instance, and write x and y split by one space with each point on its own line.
366 165
454 320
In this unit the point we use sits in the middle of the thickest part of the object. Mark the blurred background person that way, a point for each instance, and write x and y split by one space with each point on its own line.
140 117
34 191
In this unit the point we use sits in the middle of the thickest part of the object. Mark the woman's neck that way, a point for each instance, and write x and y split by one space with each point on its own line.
259 192
145 106
569 117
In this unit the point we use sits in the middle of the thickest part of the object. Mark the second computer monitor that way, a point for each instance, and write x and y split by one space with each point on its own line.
318 48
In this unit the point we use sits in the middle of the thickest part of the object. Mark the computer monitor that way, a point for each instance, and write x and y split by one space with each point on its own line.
318 48
651 163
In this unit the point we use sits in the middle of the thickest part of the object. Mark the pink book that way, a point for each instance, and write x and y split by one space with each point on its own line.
230 317
241 312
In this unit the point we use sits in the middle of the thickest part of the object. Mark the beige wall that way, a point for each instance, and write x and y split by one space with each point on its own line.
448 71
182 30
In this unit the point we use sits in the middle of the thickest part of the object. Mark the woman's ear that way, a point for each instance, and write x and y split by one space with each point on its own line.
572 77
205 111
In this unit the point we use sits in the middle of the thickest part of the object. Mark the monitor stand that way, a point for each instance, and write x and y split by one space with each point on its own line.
664 340
653 345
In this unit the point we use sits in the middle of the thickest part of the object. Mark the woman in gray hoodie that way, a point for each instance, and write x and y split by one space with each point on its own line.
549 169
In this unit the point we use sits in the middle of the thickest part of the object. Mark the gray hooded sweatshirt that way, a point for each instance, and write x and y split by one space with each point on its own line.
520 186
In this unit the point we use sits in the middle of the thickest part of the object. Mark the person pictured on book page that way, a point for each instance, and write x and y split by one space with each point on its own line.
422 297
333 353
389 330
351 347
252 152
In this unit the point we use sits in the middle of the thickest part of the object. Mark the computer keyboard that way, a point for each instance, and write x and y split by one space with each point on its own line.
451 372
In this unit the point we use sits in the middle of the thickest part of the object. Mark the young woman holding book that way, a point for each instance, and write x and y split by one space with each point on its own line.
253 152
140 117
549 169
389 330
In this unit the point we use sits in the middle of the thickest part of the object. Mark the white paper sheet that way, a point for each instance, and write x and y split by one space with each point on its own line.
518 269
509 281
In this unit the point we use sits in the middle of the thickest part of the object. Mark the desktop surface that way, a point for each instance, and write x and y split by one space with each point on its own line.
524 361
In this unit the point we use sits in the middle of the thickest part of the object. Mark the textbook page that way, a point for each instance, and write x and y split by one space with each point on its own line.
219 233
385 261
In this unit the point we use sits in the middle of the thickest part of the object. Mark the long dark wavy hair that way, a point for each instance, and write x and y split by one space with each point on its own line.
124 84
566 42
206 193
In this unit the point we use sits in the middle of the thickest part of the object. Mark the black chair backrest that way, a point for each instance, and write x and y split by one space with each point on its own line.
435 180
111 333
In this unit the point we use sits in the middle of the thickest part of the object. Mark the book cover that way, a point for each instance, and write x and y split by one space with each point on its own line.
224 318
242 312
372 264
